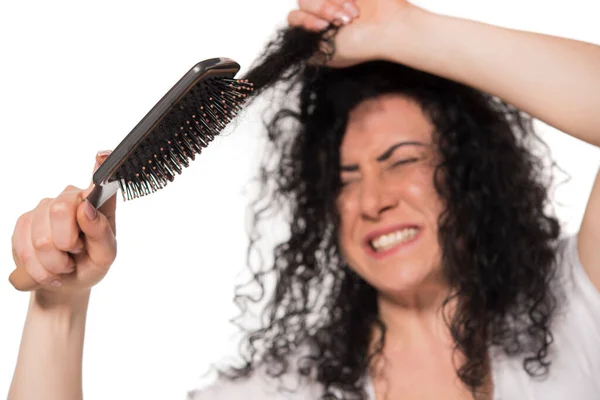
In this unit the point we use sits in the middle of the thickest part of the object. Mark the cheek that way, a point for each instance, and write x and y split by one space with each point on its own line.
422 189
347 206
348 211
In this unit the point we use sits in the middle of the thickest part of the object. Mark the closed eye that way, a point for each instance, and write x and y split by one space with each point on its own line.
401 162
347 181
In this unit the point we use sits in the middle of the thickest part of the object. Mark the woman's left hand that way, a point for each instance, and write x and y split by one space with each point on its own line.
363 25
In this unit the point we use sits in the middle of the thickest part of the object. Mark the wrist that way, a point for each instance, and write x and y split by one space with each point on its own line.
54 300
404 38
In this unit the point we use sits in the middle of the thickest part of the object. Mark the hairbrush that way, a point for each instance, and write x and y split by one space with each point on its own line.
188 117
179 126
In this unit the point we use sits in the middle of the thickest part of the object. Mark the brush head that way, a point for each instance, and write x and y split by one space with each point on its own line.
177 128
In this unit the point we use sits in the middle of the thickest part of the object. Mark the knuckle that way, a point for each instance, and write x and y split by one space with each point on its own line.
20 256
44 202
59 208
43 243
25 256
21 226
23 220
70 188
327 10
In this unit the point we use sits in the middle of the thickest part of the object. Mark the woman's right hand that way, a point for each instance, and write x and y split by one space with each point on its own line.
64 244
365 24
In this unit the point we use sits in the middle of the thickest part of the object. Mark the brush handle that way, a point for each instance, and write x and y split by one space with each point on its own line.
20 279
102 192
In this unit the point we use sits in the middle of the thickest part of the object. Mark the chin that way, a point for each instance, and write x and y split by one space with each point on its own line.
400 276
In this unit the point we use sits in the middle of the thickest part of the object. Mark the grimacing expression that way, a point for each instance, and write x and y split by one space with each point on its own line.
388 205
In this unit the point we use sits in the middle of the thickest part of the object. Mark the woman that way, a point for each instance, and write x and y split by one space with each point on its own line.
421 261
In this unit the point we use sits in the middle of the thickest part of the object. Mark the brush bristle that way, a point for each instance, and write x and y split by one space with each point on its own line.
188 127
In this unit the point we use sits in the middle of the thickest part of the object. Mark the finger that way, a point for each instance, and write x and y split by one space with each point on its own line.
42 243
332 11
20 233
28 259
349 7
306 20
100 242
101 156
63 221
19 278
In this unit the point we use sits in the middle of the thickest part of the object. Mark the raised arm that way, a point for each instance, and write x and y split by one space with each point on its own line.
67 247
553 79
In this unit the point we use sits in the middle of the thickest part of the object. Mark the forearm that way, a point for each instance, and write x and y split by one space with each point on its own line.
553 79
50 356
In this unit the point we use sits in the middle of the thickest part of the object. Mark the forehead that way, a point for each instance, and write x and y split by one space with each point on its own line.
379 123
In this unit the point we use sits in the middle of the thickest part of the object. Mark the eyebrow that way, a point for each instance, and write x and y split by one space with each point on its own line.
383 157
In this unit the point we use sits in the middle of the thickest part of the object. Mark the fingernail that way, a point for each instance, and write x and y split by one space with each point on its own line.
351 9
345 19
55 284
89 211
104 153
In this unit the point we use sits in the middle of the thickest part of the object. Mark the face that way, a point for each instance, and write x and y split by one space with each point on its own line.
388 205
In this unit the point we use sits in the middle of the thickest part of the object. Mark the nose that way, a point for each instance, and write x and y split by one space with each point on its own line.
376 197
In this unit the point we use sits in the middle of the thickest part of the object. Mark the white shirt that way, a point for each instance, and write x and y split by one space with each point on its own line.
575 354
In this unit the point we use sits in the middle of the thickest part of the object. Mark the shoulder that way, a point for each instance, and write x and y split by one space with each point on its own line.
577 319
575 351
574 282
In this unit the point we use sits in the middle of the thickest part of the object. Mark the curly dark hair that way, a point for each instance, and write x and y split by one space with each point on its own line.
497 234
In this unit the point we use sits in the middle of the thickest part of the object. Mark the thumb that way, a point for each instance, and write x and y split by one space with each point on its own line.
110 205
100 242
98 225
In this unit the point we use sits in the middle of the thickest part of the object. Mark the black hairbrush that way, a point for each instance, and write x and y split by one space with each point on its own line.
177 128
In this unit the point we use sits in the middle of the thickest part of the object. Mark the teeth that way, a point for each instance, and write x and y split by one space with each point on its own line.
385 242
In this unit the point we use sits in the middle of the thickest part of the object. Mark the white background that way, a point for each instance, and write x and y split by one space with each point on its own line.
76 76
